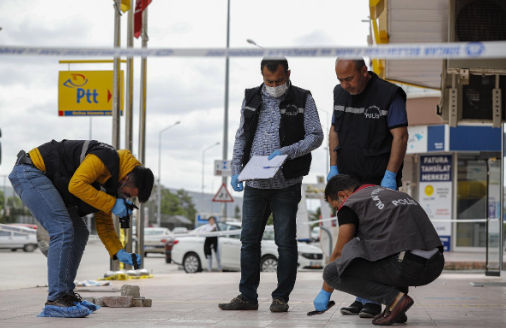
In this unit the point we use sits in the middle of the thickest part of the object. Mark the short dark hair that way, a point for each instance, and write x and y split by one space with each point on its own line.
142 179
339 183
272 64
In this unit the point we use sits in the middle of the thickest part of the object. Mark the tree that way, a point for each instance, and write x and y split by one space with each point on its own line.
237 211
16 208
315 216
187 205
179 203
2 210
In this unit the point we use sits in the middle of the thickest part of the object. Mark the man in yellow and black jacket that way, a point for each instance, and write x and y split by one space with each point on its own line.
61 181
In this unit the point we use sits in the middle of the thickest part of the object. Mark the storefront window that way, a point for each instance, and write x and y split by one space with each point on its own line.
471 201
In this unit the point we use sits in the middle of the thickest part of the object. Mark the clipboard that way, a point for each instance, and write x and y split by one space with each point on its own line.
259 167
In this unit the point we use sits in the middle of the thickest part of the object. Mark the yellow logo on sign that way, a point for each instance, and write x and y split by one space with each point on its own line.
429 190
83 93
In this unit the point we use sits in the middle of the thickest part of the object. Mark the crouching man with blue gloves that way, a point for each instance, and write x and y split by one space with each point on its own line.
368 138
386 243
60 182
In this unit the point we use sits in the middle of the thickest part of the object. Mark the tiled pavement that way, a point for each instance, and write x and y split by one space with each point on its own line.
182 300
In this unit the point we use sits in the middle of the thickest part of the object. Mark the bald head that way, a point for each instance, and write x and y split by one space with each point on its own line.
353 75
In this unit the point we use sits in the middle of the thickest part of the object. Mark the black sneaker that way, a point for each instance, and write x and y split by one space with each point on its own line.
63 301
370 310
279 305
354 308
75 297
238 304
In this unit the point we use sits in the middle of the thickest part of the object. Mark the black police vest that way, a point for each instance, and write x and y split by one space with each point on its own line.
389 222
62 159
365 141
291 126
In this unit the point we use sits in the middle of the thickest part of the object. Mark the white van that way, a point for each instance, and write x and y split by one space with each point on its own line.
15 238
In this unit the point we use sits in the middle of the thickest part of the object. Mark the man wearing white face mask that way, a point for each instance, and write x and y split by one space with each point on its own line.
277 118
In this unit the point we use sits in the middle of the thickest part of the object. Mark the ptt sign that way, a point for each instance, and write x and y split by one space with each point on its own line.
87 93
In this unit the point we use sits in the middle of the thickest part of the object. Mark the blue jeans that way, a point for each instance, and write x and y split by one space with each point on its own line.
68 235
257 206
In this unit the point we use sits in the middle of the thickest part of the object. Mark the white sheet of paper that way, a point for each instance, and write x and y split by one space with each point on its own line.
259 167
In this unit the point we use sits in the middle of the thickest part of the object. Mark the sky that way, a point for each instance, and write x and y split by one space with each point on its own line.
189 90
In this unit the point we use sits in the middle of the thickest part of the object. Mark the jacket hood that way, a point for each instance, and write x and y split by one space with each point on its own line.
127 162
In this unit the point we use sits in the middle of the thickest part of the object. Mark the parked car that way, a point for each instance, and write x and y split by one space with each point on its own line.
18 238
26 225
177 230
315 234
189 251
155 239
168 250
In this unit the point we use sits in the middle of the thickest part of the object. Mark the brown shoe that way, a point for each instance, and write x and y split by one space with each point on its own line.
388 318
238 304
402 319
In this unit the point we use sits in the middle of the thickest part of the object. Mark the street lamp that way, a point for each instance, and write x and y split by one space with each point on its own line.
254 43
159 191
203 165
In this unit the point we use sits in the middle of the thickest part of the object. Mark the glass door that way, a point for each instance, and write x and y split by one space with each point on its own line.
493 213
471 202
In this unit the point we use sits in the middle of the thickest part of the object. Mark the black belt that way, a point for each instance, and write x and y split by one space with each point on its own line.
407 255
24 158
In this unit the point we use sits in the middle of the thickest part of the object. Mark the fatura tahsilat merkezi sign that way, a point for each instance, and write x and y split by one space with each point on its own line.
87 93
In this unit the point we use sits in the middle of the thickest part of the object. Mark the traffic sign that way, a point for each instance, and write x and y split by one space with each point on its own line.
222 168
87 93
223 196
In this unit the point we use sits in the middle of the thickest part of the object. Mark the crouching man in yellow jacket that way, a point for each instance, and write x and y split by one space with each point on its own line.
60 182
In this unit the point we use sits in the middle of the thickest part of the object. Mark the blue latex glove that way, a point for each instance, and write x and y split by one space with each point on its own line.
321 302
333 172
119 209
127 257
236 185
274 154
389 180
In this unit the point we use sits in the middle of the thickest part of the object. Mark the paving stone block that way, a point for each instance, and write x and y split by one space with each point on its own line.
118 301
130 290
147 302
89 299
138 301
99 301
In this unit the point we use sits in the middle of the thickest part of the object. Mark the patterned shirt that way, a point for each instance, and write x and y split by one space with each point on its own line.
266 139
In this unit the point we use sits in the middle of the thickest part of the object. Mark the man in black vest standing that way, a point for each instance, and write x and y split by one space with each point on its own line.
386 243
368 137
277 118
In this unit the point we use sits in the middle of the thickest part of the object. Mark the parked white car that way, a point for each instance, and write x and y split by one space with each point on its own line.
177 230
18 238
155 239
315 234
189 251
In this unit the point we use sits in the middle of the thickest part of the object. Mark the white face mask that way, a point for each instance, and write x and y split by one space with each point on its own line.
277 91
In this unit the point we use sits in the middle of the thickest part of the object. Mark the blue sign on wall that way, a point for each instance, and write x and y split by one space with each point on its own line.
475 138
436 138
446 241
435 168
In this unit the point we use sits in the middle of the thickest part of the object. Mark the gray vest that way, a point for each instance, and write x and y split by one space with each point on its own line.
389 222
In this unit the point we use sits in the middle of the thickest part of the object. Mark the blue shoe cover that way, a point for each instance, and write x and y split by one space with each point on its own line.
54 311
90 306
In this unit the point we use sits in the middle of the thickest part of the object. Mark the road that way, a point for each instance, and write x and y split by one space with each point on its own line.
25 270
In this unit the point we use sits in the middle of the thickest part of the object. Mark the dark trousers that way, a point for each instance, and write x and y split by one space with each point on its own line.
209 244
257 205
382 280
